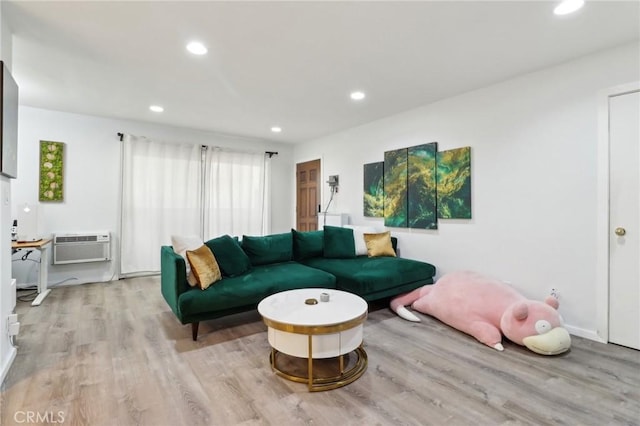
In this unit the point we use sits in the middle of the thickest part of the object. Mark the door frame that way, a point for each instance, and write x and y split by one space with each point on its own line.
602 219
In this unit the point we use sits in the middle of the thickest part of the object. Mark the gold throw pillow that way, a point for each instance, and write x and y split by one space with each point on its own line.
204 266
379 244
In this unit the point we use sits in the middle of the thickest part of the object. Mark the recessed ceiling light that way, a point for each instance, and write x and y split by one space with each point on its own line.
357 96
156 108
196 48
568 6
276 129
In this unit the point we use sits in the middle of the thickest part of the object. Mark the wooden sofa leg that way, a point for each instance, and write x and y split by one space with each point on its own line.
194 330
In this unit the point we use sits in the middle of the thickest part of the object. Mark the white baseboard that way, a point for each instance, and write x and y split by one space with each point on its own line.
581 332
7 364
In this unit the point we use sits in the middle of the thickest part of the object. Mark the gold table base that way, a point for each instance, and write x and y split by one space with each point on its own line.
316 384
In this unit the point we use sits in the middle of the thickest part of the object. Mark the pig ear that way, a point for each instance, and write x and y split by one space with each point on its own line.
521 311
552 301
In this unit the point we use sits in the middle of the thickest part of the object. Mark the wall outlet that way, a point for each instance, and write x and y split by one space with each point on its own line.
13 318
555 293
14 329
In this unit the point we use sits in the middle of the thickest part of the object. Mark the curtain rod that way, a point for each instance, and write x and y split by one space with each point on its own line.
269 153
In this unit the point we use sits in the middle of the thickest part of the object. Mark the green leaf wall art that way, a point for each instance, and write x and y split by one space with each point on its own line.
51 171
454 183
373 199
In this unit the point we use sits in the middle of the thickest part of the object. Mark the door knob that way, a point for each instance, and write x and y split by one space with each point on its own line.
620 231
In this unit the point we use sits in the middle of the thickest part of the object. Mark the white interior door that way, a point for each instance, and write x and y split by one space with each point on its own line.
624 214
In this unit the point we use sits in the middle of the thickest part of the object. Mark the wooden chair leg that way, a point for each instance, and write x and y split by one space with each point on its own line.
194 330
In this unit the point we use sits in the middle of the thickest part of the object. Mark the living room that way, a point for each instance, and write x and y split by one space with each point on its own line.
536 184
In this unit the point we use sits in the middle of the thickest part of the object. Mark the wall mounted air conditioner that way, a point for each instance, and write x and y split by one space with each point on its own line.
81 248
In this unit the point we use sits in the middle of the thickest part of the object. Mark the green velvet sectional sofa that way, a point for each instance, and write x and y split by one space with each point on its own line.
257 267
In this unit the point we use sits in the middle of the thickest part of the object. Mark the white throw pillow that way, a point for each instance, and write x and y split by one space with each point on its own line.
180 246
358 237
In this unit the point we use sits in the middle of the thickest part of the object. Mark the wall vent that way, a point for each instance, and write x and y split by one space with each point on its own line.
81 248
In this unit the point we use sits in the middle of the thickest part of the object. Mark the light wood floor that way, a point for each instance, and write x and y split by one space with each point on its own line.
114 354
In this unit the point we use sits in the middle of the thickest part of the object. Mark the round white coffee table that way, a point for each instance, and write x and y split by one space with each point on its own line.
301 325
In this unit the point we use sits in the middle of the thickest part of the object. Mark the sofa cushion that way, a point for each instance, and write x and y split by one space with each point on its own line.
339 243
358 237
379 244
232 259
267 249
252 287
204 266
307 244
180 245
365 275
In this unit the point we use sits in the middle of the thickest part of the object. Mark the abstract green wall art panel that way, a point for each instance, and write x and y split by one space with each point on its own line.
373 198
421 186
51 171
454 183
395 188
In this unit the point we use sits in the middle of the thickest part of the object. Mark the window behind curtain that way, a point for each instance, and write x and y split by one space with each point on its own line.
173 189
234 193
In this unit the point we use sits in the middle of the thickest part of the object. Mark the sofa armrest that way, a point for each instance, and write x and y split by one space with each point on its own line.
173 277
394 244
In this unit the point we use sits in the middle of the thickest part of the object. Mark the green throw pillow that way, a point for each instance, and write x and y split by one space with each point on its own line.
307 244
268 249
233 261
339 243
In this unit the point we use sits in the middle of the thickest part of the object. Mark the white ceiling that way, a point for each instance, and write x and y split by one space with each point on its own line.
290 64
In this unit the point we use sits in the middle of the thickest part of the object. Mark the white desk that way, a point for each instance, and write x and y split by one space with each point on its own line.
43 247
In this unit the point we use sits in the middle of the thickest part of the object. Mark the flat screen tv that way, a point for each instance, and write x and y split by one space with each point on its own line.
9 123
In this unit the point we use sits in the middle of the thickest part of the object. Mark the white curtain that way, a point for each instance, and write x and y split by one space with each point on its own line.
234 200
161 196
184 189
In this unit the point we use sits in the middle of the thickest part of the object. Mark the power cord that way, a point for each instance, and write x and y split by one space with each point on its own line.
30 297
26 256
49 285
333 191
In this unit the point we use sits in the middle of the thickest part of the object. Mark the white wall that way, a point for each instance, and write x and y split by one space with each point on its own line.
92 180
533 145
7 351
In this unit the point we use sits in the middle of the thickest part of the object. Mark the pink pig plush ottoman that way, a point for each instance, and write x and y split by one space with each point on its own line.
486 309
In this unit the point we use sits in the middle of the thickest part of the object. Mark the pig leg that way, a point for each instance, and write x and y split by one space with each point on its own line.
487 334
